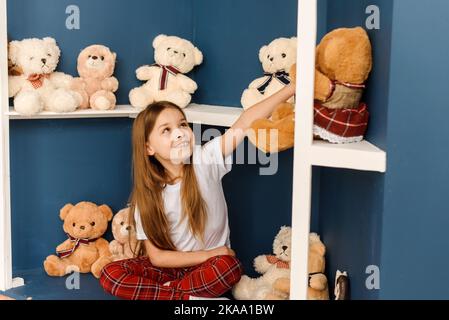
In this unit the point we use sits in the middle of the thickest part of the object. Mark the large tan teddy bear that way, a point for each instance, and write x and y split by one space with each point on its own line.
271 267
343 64
277 58
96 66
318 288
166 79
39 87
125 245
84 251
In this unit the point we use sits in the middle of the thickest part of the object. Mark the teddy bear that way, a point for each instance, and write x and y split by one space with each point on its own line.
39 88
125 245
277 58
166 79
96 66
13 70
277 133
318 288
343 64
84 251
271 267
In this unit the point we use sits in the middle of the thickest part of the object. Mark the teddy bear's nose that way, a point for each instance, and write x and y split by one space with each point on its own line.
128 228
271 59
94 57
44 60
284 248
176 52
82 227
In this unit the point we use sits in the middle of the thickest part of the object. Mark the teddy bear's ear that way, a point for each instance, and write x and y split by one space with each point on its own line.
106 211
64 211
158 40
13 51
198 56
114 55
262 53
50 40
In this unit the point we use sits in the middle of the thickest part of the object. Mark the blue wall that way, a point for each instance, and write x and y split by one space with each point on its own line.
351 203
60 161
415 222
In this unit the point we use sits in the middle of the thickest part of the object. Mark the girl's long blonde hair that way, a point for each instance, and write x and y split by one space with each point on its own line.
150 179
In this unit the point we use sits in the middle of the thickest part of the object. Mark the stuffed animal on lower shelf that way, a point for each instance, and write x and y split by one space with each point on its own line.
277 133
96 66
271 267
84 251
341 290
318 288
165 79
125 245
39 87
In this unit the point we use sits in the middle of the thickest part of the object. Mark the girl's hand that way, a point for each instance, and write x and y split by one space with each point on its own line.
221 251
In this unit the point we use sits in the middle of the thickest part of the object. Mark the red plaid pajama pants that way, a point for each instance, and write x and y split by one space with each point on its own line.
138 279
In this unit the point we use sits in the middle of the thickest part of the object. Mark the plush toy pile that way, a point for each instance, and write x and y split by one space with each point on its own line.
39 87
166 79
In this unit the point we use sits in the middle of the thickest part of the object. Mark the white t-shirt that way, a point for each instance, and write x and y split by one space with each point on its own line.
209 167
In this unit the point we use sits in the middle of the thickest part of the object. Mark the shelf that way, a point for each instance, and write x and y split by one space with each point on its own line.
196 113
359 156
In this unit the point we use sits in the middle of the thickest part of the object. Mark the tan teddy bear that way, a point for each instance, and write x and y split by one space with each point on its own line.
84 251
318 285
125 245
96 66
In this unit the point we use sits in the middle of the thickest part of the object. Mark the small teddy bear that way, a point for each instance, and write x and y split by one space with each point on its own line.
96 66
343 64
277 58
39 88
272 267
125 245
165 79
318 286
84 251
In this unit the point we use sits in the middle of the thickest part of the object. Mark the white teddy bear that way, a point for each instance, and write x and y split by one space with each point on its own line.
165 79
277 58
272 267
39 87
125 245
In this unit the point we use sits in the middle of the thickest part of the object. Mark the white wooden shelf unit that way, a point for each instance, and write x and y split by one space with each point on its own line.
308 153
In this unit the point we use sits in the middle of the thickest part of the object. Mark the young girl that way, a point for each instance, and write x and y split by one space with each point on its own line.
179 208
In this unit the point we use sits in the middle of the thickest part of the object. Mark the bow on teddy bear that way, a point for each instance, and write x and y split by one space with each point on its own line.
343 64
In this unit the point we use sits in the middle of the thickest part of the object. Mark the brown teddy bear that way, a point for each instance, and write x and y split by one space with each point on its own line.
125 245
318 286
84 251
343 64
96 66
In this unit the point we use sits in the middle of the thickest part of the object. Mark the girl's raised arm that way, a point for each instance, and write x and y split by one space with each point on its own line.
262 110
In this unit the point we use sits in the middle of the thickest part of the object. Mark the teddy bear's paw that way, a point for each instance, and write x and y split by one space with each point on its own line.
180 98
250 97
61 101
242 290
54 267
28 103
143 73
139 98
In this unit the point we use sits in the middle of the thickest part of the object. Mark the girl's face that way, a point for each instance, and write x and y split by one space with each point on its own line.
171 138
